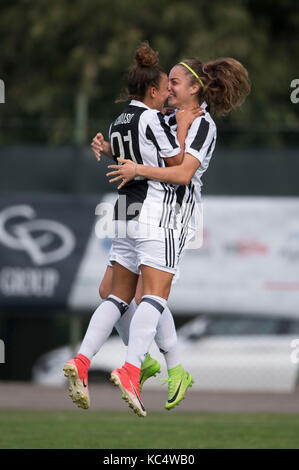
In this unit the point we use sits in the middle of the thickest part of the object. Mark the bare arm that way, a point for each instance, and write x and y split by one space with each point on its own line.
178 174
184 120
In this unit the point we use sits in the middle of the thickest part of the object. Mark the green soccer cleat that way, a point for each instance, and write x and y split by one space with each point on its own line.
149 368
179 380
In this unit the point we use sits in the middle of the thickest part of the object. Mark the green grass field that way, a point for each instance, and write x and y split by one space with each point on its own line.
166 430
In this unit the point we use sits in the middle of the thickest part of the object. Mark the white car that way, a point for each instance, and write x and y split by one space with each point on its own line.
222 352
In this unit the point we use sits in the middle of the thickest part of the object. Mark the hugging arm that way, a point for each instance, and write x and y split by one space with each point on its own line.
180 168
178 174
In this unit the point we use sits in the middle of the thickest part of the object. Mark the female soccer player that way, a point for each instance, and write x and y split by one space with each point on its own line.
223 85
146 237
219 86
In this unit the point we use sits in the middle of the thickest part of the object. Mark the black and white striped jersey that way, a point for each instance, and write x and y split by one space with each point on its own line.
200 142
141 134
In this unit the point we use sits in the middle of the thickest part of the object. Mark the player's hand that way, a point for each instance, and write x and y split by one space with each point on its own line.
185 117
97 145
125 172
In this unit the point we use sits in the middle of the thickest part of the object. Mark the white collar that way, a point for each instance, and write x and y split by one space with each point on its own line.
203 105
139 103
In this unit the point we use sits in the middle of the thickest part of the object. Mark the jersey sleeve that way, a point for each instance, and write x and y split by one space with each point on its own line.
201 138
160 133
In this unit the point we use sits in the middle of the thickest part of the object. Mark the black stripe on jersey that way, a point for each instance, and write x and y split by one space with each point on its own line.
168 200
165 202
180 193
190 212
151 136
169 208
210 146
190 209
189 202
135 192
172 121
182 239
201 135
167 131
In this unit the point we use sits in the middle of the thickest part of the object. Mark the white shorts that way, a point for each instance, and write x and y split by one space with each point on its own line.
186 238
145 245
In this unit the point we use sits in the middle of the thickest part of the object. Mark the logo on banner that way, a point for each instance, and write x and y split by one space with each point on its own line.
45 241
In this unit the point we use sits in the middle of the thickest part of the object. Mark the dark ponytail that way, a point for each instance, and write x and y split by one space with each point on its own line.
144 74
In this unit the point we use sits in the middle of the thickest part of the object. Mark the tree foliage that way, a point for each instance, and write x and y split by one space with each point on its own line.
63 62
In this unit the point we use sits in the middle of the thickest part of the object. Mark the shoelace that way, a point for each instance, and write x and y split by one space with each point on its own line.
171 388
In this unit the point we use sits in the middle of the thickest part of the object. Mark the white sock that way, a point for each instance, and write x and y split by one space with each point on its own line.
143 328
101 325
166 339
123 324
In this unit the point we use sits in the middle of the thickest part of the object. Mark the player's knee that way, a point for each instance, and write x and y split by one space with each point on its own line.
138 297
104 290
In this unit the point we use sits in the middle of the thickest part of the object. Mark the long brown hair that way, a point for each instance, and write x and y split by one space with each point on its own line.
225 83
145 73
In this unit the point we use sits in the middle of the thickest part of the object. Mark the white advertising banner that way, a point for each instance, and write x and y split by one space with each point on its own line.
249 261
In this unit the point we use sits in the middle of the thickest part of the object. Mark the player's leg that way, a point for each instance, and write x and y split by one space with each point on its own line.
99 329
123 325
179 380
157 273
106 283
150 366
142 332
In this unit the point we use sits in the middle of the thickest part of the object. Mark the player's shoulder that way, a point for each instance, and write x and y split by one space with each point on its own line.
152 117
204 119
149 113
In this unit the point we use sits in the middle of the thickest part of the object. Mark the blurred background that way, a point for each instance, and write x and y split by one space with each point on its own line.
62 67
